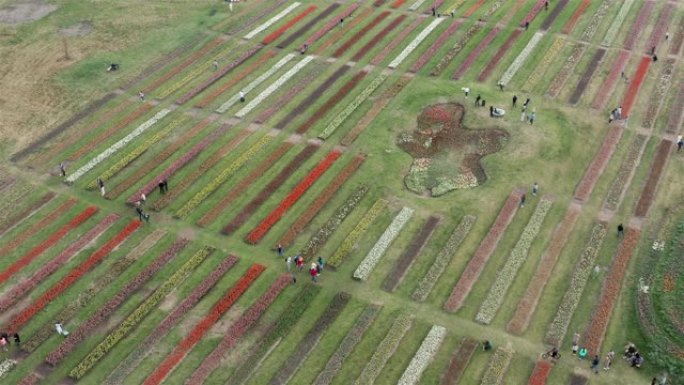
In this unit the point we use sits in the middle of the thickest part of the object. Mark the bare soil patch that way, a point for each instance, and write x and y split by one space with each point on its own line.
25 12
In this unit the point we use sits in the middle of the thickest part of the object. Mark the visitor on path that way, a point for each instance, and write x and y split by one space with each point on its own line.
546 5
300 262
527 25
501 86
216 66
288 262
483 103
166 185
17 339
620 231
527 102
653 50
595 364
667 36
60 329
280 250
575 342
582 353
101 185
523 116
3 343
535 189
142 96
141 213
161 187
242 96
630 350
655 58
143 198
477 99
637 360
522 201
466 91
680 143
515 100
314 274
487 346
320 264
533 115
434 11
619 112
609 360
62 169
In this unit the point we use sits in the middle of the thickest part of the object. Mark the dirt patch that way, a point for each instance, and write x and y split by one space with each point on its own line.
188 233
169 302
25 12
81 29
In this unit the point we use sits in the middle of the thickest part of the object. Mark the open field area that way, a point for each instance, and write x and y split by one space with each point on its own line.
446 172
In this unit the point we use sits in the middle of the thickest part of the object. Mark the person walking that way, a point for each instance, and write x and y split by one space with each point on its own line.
533 115
3 343
680 143
466 91
515 100
314 274
620 230
595 364
609 360
477 99
100 183
320 262
535 189
527 25
141 213
288 262
575 343
300 262
242 96
60 329
216 66
141 95
522 201
62 169
280 250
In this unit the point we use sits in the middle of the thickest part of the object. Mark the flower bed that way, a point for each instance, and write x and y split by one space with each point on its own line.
269 189
659 93
638 26
244 324
237 28
578 281
473 8
272 20
342 31
598 164
567 69
635 85
280 31
346 347
373 257
521 58
377 38
606 89
55 237
648 193
398 3
385 349
533 12
135 357
93 322
139 314
297 34
474 268
528 304
400 38
238 190
459 361
614 195
321 236
550 57
416 5
617 23
330 24
58 288
425 354
475 53
378 3
289 95
6 366
443 258
677 38
360 34
506 274
27 212
434 47
497 367
587 75
321 200
560 5
674 119
596 20
661 26
399 269
17 291
415 42
31 379
484 74
540 373
570 24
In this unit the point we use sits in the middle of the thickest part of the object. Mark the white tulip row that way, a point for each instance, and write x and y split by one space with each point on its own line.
373 257
117 146
520 60
415 5
272 20
617 23
256 82
426 352
273 87
414 44
6 366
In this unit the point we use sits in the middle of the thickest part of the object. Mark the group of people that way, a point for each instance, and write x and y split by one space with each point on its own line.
615 114
315 269
631 354
5 340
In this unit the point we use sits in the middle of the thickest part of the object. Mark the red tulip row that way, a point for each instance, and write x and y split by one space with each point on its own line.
55 237
360 34
197 332
606 89
398 39
26 212
475 53
244 324
484 74
478 261
331 24
540 373
53 292
297 192
277 33
638 25
91 324
376 39
648 193
570 24
473 8
635 85
398 3
434 47
598 164
26 285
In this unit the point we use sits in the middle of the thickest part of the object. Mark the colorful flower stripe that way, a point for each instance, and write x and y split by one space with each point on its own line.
578 281
158 159
223 176
306 27
473 8
506 274
269 189
290 94
596 20
677 39
377 38
617 23
497 367
567 69
435 4
243 325
103 136
360 228
31 379
373 257
478 261
658 95
360 34
475 53
27 212
425 354
635 85
662 24
343 30
455 6
385 349
606 89
459 361
102 314
239 189
202 327
560 5
400 38
134 358
20 289
624 174
47 330
15 196
455 49
540 373
321 200
434 47
533 12
332 102
71 178
331 24
256 82
484 74
550 57
414 44
272 20
302 187
648 193
321 236
53 292
277 33
521 58
599 163
6 366
416 5
378 3
528 304
201 170
674 120
638 25
237 28
273 87
587 75
398 3
311 339
55 237
351 107
235 79
570 24
139 314
179 163
346 347
136 152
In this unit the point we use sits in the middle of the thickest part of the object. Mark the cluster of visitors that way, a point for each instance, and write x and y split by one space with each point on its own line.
315 269
5 340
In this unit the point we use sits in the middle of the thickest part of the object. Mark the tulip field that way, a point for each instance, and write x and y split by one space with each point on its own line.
362 133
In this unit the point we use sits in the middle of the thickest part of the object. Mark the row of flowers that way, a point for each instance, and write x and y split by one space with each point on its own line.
272 20
385 349
360 34
321 200
19 290
330 25
617 23
635 84
416 5
474 268
55 237
6 366
415 43
587 75
443 258
377 38
658 93
540 373
244 324
321 236
595 21
475 53
280 31
570 24
497 367
134 284
606 88
662 25
290 94
425 354
10 199
521 58
351 107
434 47
253 19
567 69
342 32
460 360
648 193
598 164
139 314
373 257
506 274
551 18
398 3
675 117
580 275
71 178
528 304
677 39
345 348
533 12
614 195
494 61
638 25
551 56
401 36
31 379
141 350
